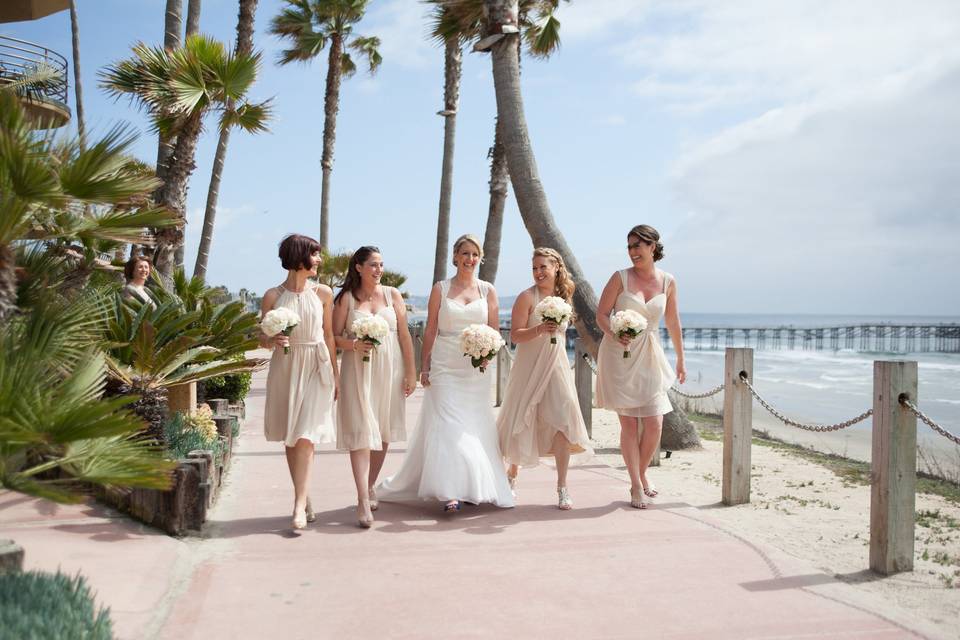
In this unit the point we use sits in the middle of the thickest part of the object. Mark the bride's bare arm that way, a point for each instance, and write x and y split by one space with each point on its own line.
430 334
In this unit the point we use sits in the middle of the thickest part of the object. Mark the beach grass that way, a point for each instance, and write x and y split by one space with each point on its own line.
852 472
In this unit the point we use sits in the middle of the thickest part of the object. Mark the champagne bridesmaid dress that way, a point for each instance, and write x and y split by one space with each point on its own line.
540 400
370 410
636 386
300 383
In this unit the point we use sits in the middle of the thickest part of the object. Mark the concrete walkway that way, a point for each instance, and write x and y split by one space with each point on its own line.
603 570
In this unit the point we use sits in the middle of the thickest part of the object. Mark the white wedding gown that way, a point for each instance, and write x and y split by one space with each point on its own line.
454 453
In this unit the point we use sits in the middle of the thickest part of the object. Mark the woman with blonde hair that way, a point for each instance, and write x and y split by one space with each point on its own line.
374 382
635 385
540 415
453 455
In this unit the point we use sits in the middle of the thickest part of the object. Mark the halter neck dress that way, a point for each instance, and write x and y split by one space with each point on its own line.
636 386
300 386
371 406
540 400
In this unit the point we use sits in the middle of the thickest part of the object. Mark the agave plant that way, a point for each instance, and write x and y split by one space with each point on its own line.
56 430
181 340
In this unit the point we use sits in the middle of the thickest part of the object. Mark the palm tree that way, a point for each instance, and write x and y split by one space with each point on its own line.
172 21
309 26
540 31
178 89
54 191
244 46
502 39
77 83
445 30
193 18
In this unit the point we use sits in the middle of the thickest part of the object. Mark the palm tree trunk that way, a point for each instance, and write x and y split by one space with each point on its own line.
173 194
453 62
331 105
171 40
8 283
209 216
499 185
244 46
193 18
77 84
522 165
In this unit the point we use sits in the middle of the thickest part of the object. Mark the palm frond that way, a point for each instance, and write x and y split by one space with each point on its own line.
252 118
369 48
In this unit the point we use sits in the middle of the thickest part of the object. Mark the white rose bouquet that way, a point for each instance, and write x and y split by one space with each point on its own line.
627 323
480 342
553 309
371 329
279 320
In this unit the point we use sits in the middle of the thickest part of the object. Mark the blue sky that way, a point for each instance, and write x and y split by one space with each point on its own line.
797 157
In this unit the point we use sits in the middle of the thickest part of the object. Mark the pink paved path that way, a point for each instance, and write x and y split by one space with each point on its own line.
602 570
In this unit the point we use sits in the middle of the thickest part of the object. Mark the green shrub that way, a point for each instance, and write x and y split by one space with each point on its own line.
38 605
234 386
181 438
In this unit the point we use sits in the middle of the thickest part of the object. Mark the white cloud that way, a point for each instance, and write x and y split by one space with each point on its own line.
852 207
403 29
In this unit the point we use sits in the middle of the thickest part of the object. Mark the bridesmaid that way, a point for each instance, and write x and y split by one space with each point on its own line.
636 387
540 414
370 411
302 384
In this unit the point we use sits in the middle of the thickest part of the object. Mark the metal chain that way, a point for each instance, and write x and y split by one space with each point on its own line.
696 396
806 427
930 423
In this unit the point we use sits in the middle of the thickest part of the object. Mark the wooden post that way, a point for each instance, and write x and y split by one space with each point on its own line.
182 398
583 379
737 426
11 557
218 406
893 468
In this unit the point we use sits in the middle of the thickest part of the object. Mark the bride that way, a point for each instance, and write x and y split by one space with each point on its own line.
454 454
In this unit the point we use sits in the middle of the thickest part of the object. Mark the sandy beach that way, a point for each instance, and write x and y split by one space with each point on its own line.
808 511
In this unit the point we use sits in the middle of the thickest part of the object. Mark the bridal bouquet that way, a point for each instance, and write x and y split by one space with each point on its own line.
553 309
279 320
371 329
627 323
480 342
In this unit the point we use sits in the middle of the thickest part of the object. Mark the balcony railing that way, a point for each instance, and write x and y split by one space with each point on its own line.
37 73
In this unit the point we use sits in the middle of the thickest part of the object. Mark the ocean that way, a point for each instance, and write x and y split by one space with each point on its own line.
829 386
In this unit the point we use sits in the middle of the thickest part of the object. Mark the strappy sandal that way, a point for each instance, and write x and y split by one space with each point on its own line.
512 480
637 499
311 515
453 505
363 520
651 491
374 503
564 502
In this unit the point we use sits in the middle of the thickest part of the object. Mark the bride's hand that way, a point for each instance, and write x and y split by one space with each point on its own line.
409 385
425 378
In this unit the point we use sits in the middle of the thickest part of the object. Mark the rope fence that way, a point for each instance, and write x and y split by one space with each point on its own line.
893 457
927 421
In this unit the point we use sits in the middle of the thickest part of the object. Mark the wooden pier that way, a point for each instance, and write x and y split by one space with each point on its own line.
883 338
